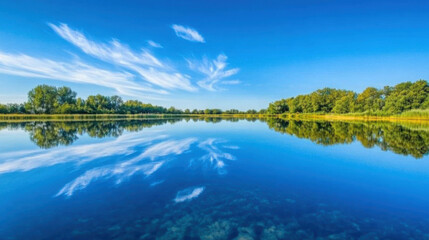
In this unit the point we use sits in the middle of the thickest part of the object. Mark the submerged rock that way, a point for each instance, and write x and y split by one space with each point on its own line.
245 233
274 233
217 231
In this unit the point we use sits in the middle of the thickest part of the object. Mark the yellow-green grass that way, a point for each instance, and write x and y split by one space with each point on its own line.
413 115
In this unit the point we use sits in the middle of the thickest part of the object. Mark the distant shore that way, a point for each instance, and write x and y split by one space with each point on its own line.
292 116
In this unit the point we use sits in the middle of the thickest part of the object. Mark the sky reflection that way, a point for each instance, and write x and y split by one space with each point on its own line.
149 161
196 180
188 194
31 159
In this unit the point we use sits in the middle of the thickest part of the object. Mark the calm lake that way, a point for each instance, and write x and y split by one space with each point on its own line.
214 179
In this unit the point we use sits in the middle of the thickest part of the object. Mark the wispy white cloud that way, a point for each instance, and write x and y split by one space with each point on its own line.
143 75
188 194
149 67
231 147
154 44
187 33
230 82
112 52
214 71
75 71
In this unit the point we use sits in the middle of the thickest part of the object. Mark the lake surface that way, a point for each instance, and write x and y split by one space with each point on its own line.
214 179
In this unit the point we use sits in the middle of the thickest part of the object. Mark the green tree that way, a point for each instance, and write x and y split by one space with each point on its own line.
116 103
65 95
278 107
3 109
370 100
345 104
42 99
406 96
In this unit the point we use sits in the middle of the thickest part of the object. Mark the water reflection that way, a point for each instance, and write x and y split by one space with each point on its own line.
215 157
406 139
146 163
52 134
401 139
25 160
149 161
188 194
132 153
200 183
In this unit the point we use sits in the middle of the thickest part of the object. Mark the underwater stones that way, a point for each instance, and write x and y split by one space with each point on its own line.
237 214
245 233
114 228
217 231
292 225
339 236
324 223
369 236
302 235
177 229
82 220
144 236
356 226
274 233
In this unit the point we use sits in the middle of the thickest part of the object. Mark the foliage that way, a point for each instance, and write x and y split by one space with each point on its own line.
387 101
45 99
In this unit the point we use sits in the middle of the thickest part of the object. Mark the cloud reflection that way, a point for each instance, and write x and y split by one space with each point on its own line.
150 160
28 160
118 171
131 154
188 194
126 169
215 157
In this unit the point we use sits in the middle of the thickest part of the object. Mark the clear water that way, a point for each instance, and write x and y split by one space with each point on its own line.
214 179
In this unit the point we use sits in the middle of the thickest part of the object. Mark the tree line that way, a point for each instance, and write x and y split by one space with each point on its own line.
388 100
405 96
45 99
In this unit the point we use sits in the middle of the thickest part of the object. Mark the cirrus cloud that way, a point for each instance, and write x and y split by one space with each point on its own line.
149 67
154 44
75 71
214 71
129 72
187 33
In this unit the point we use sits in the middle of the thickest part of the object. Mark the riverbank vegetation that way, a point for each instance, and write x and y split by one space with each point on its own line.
49 100
404 99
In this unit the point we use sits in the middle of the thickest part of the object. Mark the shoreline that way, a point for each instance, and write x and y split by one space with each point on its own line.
340 117
100 117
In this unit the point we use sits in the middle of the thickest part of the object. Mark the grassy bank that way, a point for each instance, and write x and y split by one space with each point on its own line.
100 117
80 116
414 115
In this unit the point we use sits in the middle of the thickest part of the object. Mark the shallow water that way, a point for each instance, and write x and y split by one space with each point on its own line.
214 179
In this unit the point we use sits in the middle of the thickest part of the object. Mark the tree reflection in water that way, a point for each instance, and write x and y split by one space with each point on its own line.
406 139
410 139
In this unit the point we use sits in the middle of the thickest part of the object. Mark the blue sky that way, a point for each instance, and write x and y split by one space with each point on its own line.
210 54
